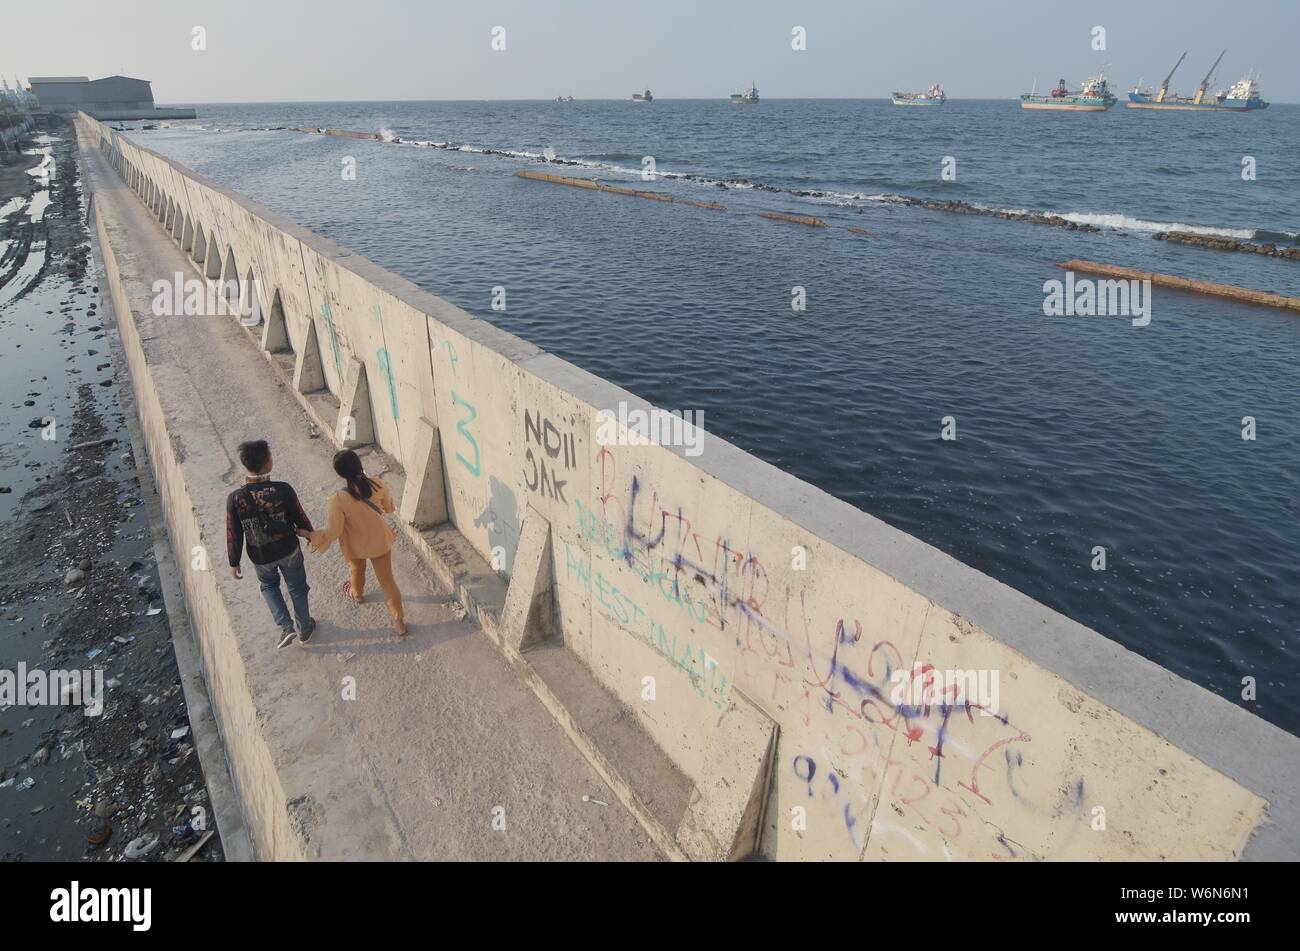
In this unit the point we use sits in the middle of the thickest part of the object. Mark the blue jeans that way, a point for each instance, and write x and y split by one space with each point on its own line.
295 578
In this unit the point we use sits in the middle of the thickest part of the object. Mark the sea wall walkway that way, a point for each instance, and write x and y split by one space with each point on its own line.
720 641
357 745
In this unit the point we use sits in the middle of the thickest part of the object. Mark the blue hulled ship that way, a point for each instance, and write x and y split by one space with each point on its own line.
1243 96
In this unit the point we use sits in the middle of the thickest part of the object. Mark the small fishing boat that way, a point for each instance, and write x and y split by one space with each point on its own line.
934 96
1095 96
643 96
748 97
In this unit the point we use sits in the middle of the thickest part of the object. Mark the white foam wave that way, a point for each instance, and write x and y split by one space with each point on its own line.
1126 223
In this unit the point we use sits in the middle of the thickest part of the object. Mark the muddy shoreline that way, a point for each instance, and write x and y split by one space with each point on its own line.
79 588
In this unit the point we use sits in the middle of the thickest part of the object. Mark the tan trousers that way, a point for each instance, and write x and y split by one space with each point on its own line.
383 566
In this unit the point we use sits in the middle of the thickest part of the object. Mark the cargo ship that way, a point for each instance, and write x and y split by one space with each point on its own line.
1244 96
1095 96
934 96
747 98
643 96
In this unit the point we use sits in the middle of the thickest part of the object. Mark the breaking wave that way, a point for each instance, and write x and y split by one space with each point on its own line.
1125 223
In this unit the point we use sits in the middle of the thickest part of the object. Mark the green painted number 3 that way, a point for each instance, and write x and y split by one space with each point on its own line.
472 467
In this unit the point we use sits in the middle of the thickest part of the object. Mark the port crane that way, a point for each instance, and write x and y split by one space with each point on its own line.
1205 83
1164 86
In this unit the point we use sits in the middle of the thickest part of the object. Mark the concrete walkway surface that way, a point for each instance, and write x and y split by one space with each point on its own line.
444 753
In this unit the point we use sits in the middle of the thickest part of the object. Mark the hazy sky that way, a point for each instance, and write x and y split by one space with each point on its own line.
289 50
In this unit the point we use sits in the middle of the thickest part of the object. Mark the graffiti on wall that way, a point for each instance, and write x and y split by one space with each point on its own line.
628 615
462 426
328 315
872 779
501 519
386 368
549 453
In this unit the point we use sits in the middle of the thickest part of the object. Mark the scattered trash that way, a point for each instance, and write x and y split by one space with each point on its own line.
183 835
594 802
179 732
90 588
193 849
93 444
138 848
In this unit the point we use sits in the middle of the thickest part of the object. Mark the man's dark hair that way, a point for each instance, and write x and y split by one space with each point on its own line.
254 455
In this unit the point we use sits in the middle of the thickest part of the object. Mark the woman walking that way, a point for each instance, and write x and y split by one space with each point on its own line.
357 521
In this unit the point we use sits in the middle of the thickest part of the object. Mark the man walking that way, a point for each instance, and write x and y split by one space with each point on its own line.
268 518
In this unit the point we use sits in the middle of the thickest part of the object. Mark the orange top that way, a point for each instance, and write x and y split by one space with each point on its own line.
361 531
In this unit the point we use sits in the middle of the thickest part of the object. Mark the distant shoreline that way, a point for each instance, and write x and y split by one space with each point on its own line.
1015 98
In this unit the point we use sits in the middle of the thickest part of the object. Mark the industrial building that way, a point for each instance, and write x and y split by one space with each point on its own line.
113 97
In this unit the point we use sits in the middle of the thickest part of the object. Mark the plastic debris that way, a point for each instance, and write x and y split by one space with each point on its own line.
138 848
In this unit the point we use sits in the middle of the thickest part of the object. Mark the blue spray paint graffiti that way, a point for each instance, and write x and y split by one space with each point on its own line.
472 467
618 606
386 366
334 338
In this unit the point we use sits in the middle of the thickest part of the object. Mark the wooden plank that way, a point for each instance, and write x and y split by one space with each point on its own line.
592 185
560 179
808 220
1230 291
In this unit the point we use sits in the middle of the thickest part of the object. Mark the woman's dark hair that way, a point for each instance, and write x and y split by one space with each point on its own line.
348 464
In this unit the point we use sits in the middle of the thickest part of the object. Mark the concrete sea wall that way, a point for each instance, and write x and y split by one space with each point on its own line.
251 764
754 626
12 128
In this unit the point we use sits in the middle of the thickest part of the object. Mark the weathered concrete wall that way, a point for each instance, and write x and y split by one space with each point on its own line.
728 581
262 799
